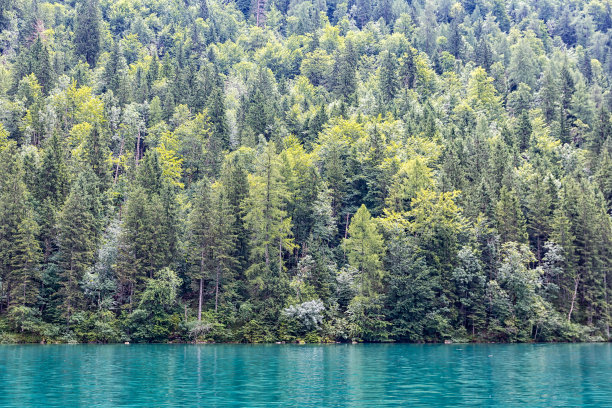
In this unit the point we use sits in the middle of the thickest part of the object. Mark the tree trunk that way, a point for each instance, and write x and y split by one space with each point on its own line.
280 251
131 294
200 301
345 235
201 285
607 311
217 288
137 148
569 315
119 158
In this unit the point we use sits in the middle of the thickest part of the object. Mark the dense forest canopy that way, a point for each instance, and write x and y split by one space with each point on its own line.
324 170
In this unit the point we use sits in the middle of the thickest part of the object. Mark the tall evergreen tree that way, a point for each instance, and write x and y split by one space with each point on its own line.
388 77
210 239
510 218
87 35
25 274
365 249
268 223
344 72
77 237
13 211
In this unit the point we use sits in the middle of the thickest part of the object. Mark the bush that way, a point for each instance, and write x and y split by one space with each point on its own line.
308 315
100 327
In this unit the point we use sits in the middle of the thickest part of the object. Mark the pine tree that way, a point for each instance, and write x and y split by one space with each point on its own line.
601 131
344 72
203 10
25 273
97 153
137 246
523 131
13 209
539 212
510 218
149 174
235 185
260 109
210 239
455 40
77 238
87 31
169 223
501 15
362 11
112 69
267 221
566 91
199 227
549 95
365 249
389 84
41 65
218 139
604 178
586 66
470 280
407 69
149 232
484 55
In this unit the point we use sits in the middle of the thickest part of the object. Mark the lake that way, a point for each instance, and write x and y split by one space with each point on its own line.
364 375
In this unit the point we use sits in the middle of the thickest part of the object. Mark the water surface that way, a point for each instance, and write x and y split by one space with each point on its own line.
369 375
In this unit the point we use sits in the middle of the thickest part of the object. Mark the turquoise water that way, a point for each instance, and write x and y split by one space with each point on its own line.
368 375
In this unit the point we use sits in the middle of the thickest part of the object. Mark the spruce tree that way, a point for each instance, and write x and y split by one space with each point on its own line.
344 72
268 223
389 84
210 239
365 249
235 184
26 258
77 238
199 227
41 65
87 31
13 210
510 218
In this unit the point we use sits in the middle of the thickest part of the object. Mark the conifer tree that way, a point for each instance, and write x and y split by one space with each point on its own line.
77 238
235 185
344 72
210 239
365 249
567 89
407 69
87 31
268 223
13 209
388 77
26 258
199 226
41 65
510 218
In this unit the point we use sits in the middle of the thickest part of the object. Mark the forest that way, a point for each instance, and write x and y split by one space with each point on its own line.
305 171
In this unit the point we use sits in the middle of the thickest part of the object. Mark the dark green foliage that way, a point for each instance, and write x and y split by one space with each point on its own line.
16 226
87 34
389 84
77 240
36 60
411 171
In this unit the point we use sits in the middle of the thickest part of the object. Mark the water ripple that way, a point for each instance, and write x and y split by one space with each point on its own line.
305 376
